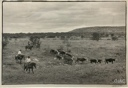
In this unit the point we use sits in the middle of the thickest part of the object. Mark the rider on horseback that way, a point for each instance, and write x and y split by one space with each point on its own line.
19 53
28 60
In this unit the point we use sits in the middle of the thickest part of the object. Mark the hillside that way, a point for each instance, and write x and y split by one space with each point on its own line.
113 29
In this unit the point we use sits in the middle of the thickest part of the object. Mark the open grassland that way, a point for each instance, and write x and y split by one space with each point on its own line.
49 71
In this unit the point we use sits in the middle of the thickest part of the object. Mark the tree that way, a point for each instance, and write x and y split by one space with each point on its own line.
35 41
95 36
5 42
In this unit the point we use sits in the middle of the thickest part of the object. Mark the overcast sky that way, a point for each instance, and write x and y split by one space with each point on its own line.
60 16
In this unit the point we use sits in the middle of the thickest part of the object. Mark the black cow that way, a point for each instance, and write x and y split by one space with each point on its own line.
80 59
68 60
58 57
109 60
61 52
52 51
99 61
29 47
93 61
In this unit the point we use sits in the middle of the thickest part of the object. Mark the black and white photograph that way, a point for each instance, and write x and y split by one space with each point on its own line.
72 43
54 0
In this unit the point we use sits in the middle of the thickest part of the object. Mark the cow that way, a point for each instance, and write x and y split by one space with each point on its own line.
52 51
99 61
67 54
109 60
58 57
80 59
61 52
93 61
68 59
29 47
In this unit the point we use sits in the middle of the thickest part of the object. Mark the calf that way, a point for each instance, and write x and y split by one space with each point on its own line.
109 60
80 59
93 61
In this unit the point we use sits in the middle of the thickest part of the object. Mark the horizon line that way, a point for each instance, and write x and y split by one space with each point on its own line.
60 32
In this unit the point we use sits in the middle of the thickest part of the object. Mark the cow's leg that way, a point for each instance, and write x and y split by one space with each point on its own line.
112 62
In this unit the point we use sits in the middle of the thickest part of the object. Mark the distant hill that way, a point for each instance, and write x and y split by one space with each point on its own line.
112 29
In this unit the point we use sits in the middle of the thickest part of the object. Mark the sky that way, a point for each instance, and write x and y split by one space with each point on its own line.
30 17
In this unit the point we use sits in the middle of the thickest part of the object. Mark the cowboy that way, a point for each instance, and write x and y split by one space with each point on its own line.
19 53
28 60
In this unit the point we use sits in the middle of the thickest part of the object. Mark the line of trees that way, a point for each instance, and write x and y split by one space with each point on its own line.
94 36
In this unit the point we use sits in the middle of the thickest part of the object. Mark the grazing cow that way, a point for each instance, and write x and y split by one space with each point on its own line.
58 57
80 59
93 61
19 58
54 51
109 60
29 47
61 52
68 60
28 66
67 54
99 61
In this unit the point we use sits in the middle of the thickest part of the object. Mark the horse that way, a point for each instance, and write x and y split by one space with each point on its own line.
29 47
28 66
19 58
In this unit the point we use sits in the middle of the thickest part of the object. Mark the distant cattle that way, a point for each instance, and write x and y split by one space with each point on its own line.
80 59
93 61
52 51
109 60
99 61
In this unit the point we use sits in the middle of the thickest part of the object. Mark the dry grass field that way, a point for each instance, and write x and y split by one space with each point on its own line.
50 71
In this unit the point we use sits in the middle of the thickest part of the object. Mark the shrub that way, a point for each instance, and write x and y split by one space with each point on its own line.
5 42
114 38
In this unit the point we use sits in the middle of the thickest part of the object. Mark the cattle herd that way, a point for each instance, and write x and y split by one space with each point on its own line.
66 57
62 55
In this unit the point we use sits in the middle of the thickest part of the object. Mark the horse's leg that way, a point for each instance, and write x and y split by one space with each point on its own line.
32 70
29 70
